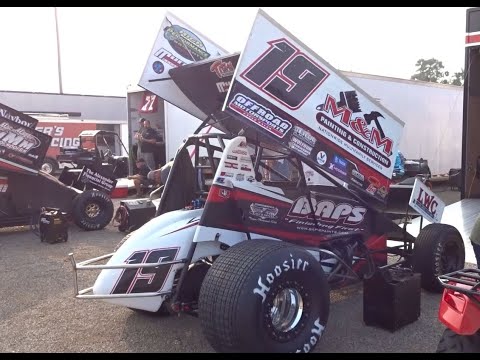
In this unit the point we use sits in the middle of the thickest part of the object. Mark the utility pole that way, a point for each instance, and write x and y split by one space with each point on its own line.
58 55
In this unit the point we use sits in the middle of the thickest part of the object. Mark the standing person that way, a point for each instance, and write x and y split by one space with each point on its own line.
475 240
147 139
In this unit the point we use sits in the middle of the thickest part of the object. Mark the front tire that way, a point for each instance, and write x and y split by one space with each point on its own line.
264 296
454 343
438 250
92 210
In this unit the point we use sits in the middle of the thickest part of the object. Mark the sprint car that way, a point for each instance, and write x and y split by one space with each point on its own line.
287 217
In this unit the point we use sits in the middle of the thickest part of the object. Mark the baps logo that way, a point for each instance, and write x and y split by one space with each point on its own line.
327 211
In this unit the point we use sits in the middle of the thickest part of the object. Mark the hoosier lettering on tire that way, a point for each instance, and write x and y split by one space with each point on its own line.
264 296
92 210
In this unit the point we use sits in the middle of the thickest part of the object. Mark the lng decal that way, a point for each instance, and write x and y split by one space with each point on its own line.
426 202
286 90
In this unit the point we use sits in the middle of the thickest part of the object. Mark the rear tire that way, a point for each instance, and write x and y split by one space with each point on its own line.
248 289
92 210
438 250
454 343
49 166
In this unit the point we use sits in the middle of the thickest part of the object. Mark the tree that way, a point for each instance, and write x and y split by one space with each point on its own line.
430 70
458 78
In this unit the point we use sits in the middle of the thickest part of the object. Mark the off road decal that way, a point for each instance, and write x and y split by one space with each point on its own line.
145 279
261 115
285 74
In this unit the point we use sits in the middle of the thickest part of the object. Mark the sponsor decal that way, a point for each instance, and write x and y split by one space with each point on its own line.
158 67
240 177
230 165
240 152
327 211
289 264
245 168
224 193
17 117
260 115
321 158
263 211
382 192
362 133
251 179
169 58
186 43
340 161
337 169
426 202
231 157
245 159
226 174
357 174
222 68
371 189
17 139
220 180
97 180
222 86
299 146
304 135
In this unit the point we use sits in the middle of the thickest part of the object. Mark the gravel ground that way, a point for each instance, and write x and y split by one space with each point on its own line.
39 314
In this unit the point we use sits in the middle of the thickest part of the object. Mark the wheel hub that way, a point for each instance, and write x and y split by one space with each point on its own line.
47 168
287 310
92 210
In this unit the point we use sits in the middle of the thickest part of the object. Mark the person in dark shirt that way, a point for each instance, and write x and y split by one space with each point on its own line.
160 176
147 141
141 178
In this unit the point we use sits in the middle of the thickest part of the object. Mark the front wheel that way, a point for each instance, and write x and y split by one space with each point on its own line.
438 250
454 343
264 296
92 210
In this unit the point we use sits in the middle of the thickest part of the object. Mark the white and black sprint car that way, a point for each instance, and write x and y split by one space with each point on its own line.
257 262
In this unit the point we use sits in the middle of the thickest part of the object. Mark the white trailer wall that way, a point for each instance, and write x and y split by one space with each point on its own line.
432 114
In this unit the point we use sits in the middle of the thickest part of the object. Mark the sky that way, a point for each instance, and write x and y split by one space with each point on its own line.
103 50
